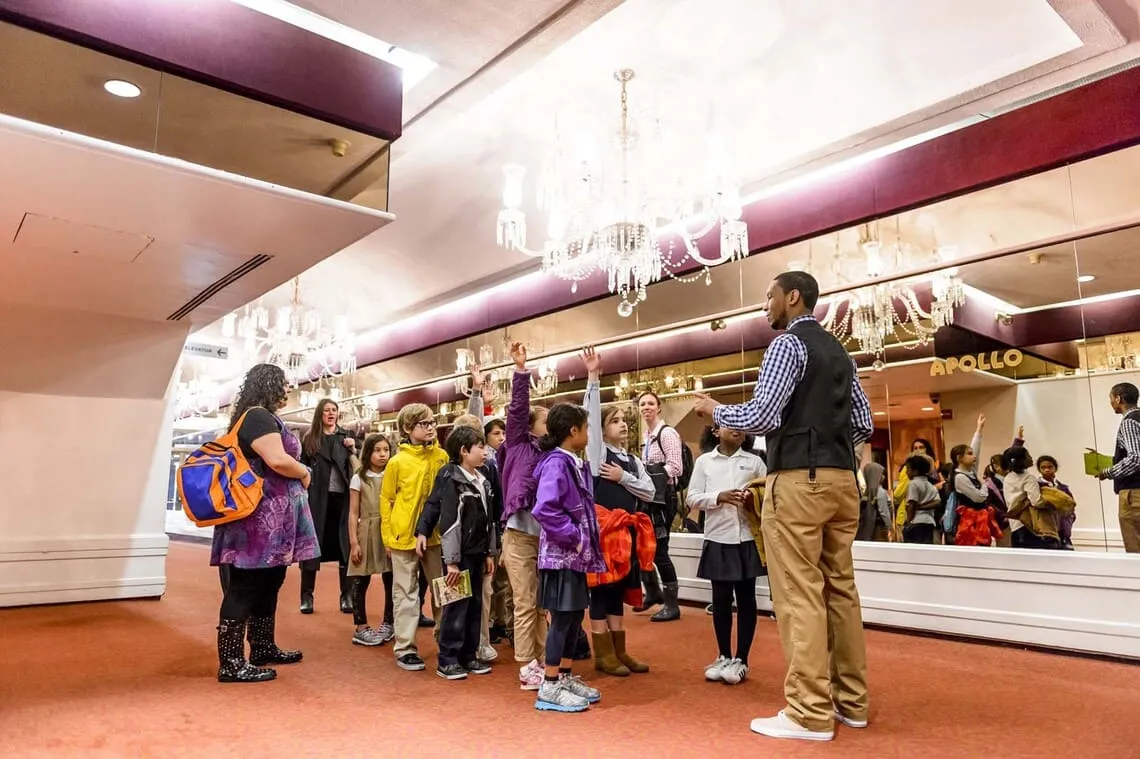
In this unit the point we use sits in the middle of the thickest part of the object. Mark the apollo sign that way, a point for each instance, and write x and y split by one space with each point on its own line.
977 362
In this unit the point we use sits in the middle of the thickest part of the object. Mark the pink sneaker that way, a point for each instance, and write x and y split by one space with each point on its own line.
531 676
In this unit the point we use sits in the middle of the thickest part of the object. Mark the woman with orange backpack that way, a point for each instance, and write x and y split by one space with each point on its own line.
257 549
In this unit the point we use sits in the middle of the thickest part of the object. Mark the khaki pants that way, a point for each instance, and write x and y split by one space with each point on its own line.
520 558
809 526
503 613
406 594
1130 519
485 624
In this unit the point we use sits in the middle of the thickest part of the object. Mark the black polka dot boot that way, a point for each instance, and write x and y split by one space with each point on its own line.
263 644
232 666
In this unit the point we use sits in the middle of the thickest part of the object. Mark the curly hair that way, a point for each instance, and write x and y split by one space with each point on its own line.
264 385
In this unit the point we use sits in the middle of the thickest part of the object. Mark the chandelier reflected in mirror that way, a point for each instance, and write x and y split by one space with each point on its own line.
298 339
879 314
623 214
196 397
497 384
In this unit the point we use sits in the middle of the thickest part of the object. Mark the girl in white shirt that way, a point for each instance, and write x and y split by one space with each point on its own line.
729 559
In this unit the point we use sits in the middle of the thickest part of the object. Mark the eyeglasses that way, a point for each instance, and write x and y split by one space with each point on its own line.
427 424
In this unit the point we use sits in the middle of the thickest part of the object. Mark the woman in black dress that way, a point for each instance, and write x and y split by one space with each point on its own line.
328 450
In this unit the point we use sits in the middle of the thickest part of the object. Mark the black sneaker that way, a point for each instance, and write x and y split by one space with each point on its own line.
426 621
411 663
479 667
497 633
451 672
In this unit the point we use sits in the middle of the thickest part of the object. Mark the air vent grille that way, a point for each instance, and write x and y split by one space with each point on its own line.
219 285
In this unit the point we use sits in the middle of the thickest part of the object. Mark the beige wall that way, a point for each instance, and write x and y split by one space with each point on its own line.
84 454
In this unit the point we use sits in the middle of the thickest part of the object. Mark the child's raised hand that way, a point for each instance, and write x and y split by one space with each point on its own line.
592 361
518 354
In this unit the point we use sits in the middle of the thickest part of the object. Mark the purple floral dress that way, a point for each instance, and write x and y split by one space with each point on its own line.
279 532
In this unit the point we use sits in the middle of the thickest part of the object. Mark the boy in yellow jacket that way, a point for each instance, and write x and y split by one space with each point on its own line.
407 483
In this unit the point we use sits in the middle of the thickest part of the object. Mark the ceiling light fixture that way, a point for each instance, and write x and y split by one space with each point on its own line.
927 408
620 215
1085 278
121 88
414 66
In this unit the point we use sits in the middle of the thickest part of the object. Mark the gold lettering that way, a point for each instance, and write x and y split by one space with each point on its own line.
968 363
938 369
951 365
982 363
1013 358
997 362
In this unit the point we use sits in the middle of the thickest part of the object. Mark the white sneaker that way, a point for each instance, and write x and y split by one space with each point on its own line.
487 653
531 676
714 672
781 726
734 672
557 696
858 724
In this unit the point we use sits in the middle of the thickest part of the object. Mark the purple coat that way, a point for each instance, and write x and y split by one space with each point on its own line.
564 508
519 453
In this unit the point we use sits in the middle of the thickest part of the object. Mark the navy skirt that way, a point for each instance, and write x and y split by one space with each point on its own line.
563 590
730 562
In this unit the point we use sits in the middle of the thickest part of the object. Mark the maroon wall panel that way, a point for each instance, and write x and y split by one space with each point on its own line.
225 45
1078 124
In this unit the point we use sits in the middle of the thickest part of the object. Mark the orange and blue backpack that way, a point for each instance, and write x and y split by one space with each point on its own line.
216 483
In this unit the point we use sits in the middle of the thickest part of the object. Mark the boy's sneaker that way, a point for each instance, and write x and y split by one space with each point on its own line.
858 724
497 633
451 672
487 653
734 672
478 667
578 687
367 637
386 632
426 621
411 663
556 696
714 672
531 676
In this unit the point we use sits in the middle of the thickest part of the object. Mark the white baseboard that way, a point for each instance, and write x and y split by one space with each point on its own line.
1079 601
82 568
1098 539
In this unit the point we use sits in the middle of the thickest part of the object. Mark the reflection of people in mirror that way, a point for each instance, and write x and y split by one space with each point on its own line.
1125 470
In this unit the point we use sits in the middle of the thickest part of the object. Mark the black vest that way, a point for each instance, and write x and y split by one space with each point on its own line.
815 430
963 499
611 494
1132 481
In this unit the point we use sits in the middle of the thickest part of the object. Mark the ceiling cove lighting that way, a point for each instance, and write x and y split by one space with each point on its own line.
1085 278
121 88
415 67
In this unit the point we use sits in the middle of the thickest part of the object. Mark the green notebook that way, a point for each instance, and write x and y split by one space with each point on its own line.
1095 463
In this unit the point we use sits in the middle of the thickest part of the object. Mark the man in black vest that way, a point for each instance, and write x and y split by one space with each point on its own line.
1125 471
809 404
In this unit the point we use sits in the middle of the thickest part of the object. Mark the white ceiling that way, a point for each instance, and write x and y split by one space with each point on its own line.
90 226
790 82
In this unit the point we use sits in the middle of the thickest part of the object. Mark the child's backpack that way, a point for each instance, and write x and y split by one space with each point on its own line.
216 484
687 461
950 516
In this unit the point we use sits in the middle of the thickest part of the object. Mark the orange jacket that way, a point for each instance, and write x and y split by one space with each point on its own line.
617 544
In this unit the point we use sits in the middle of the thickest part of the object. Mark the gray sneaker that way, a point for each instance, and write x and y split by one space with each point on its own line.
386 632
557 697
367 637
578 687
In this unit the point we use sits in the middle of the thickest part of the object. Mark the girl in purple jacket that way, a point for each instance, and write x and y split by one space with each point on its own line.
569 547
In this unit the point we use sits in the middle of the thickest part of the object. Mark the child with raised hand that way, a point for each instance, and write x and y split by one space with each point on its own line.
468 540
407 484
569 547
367 555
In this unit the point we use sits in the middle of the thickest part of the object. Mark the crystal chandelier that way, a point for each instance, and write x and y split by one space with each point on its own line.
498 385
298 341
196 397
879 314
615 216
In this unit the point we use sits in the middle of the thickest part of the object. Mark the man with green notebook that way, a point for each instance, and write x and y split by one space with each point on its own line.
1125 469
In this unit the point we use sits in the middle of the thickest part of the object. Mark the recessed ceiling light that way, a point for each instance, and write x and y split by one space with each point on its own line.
1085 278
122 89
880 413
927 408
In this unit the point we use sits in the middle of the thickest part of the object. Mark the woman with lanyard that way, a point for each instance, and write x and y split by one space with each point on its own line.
328 450
664 462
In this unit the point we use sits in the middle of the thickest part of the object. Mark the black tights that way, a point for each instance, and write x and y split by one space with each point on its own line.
250 593
562 635
663 561
359 594
722 592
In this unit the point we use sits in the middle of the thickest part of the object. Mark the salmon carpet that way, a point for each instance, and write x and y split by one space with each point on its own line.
136 679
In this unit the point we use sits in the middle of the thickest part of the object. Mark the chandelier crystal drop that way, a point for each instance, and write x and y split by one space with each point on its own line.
876 315
622 216
298 340
497 384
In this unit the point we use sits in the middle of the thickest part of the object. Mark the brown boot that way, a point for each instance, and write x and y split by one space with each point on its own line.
604 659
619 651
